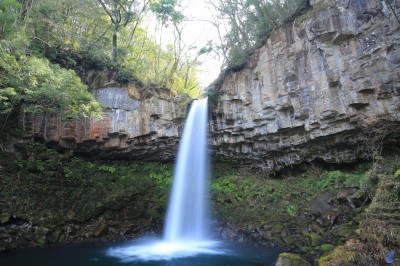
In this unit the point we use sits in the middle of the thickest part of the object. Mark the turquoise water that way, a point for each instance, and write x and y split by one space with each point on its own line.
99 255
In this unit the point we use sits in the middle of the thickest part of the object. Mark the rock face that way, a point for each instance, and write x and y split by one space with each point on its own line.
137 123
313 88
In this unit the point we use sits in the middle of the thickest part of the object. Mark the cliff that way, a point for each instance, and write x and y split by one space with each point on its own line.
325 85
137 122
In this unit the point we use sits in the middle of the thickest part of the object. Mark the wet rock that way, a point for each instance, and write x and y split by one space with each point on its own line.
54 236
13 230
29 236
390 257
321 204
43 231
345 232
228 232
290 259
100 230
5 218
71 215
41 240
334 206
64 238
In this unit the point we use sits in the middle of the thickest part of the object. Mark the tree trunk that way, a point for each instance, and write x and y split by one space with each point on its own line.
115 44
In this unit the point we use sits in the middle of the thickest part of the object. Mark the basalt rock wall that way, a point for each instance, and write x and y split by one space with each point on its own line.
319 88
137 122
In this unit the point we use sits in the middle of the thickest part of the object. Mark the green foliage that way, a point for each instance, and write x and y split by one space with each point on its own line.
44 87
162 174
86 34
250 22
333 179
52 89
212 92
106 168
8 99
395 168
158 66
42 177
166 12
236 57
241 197
232 191
292 209
8 17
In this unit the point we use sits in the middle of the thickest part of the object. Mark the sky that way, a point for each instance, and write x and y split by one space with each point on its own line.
198 32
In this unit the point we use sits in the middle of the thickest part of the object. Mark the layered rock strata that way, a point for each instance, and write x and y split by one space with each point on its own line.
137 123
312 90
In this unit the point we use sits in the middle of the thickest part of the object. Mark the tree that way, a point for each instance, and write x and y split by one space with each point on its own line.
250 22
166 12
9 10
44 87
69 32
121 14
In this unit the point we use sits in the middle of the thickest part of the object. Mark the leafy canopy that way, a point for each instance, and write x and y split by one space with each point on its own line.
45 87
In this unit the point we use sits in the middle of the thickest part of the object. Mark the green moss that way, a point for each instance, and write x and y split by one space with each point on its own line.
346 232
351 253
290 259
41 240
41 177
277 227
326 247
288 239
4 218
314 239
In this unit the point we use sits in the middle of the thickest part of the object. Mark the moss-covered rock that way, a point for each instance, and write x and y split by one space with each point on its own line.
4 218
379 232
290 259
54 236
41 240
345 232
314 239
353 252
277 228
60 197
326 247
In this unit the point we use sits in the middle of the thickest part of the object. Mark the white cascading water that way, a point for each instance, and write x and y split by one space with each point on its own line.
186 231
187 216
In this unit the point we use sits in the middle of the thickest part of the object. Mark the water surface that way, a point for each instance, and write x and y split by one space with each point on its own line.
98 254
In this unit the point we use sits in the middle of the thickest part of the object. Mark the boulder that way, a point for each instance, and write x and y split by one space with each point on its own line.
290 259
100 230
5 218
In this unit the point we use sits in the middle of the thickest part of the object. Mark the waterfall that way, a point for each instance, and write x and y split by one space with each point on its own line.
187 216
186 229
